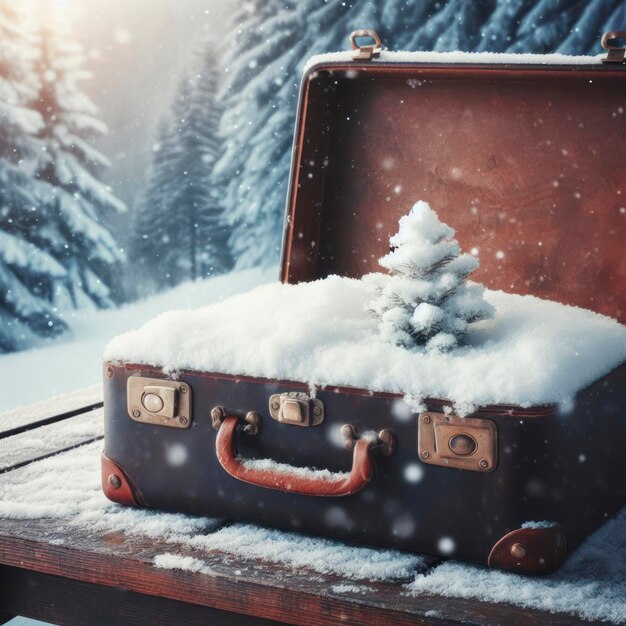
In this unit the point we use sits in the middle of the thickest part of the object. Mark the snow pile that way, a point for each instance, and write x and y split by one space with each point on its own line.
322 555
320 333
427 300
591 584
272 467
504 58
177 561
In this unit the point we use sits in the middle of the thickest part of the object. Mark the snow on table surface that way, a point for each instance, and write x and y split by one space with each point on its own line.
533 352
44 409
504 58
48 439
591 584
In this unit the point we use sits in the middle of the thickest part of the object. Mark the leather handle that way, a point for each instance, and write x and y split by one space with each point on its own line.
294 479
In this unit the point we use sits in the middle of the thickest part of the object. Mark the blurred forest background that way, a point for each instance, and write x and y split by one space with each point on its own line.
190 179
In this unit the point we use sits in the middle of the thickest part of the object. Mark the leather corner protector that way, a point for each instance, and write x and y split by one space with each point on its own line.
530 550
116 485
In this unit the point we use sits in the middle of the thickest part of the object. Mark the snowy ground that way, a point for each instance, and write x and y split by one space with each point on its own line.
76 361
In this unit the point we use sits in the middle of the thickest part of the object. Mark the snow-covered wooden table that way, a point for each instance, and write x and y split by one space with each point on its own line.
69 556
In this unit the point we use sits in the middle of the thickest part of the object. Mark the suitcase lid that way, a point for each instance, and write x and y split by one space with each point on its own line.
524 157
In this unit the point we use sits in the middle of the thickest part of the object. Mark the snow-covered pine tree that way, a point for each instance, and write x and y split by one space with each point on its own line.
28 275
69 223
202 239
270 43
426 300
178 232
150 237
273 38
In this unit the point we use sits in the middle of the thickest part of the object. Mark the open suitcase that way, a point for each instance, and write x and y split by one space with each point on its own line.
534 146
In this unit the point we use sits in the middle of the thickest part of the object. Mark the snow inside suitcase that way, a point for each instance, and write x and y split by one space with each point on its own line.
225 411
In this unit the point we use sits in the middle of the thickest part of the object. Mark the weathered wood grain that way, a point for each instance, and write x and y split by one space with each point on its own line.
45 412
41 442
257 589
68 602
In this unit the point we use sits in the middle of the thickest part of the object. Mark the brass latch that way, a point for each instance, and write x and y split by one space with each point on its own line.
616 54
158 401
461 442
365 53
296 408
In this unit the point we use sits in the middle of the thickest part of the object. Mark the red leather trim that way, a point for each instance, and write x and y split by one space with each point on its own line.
122 494
539 550
361 474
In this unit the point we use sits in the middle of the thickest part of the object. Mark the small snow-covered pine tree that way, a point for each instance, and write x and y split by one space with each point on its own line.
426 300
69 221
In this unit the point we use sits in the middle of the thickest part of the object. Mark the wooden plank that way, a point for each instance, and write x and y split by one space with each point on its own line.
258 589
44 441
68 602
56 409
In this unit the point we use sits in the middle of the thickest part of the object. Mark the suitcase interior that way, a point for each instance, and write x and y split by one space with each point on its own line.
524 161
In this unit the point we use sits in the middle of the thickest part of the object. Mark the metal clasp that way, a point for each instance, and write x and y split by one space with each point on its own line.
296 408
365 53
616 54
158 401
461 442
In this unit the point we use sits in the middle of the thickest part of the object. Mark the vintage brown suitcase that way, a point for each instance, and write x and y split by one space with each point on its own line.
534 146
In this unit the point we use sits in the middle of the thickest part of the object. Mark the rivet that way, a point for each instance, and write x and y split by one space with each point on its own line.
136 413
182 419
115 481
426 419
483 463
183 389
425 454
518 550
275 405
317 411
109 371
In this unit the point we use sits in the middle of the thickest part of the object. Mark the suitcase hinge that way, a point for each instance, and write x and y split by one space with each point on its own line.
365 53
616 54
461 442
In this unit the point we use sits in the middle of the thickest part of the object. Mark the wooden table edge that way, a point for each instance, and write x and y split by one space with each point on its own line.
257 599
